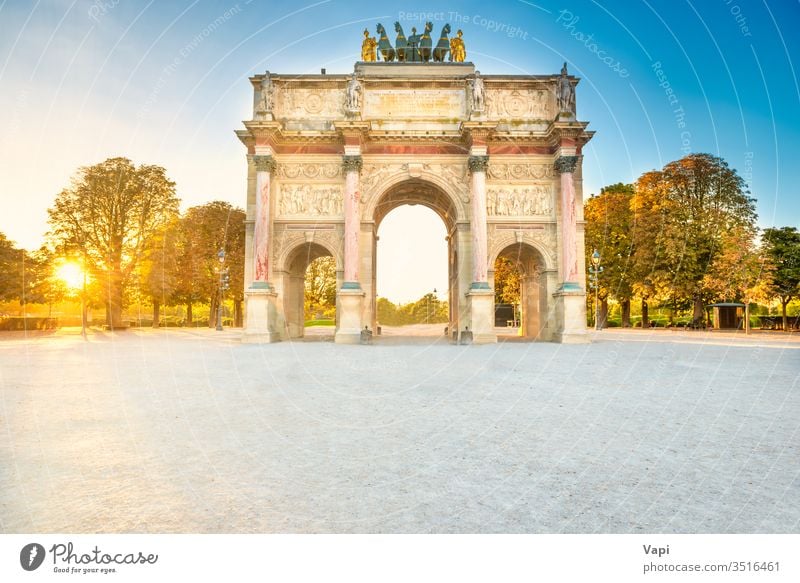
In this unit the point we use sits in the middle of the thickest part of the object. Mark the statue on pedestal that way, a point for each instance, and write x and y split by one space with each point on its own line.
478 93
565 93
264 105
458 51
368 52
352 103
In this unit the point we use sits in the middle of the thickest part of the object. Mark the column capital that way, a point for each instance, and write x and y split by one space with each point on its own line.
264 163
352 163
478 163
565 164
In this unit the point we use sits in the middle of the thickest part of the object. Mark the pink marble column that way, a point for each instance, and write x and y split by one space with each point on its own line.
352 220
478 165
265 166
565 165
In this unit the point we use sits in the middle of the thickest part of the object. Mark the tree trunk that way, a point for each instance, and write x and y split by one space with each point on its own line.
625 306
237 313
114 299
698 312
603 312
783 313
156 313
189 313
645 314
212 312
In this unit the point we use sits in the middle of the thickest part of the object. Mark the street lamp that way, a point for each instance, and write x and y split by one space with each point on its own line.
594 281
221 257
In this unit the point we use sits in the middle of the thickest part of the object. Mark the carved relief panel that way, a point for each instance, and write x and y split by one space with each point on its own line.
301 103
520 201
519 104
309 200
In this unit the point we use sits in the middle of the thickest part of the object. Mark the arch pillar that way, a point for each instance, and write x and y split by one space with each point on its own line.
570 296
261 324
351 297
480 297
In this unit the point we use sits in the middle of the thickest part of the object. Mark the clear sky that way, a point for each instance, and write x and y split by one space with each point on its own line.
158 82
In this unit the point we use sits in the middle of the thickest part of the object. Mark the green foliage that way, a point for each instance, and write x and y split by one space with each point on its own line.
426 310
109 214
782 249
320 287
610 230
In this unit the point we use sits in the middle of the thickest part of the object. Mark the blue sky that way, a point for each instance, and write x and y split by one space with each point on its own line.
81 81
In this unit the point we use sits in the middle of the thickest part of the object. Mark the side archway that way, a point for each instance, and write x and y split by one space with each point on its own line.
531 266
291 280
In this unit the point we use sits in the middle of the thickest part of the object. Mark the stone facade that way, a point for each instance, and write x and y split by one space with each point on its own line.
330 155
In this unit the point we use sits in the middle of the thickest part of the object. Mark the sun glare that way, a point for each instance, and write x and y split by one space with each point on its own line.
71 274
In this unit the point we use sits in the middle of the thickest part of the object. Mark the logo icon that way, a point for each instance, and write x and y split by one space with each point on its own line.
31 556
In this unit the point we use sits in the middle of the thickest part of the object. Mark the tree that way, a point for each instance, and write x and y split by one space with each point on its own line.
507 284
320 285
610 230
158 269
782 250
110 211
204 231
686 214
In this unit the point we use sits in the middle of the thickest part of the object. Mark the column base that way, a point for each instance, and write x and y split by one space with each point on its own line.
262 315
571 315
480 300
350 303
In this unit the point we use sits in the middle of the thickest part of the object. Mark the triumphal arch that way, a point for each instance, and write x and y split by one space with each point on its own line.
497 157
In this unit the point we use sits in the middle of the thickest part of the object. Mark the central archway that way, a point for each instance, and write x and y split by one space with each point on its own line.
417 191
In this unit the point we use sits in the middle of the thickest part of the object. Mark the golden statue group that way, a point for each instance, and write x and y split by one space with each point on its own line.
417 48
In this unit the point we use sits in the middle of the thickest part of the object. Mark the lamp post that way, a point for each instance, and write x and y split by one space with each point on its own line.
221 257
594 281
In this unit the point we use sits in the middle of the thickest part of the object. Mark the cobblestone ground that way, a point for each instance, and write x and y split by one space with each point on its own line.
181 431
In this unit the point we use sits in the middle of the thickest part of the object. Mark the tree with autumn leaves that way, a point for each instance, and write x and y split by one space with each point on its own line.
685 235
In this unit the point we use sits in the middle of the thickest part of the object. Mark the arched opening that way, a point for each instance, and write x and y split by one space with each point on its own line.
520 292
412 279
310 282
401 274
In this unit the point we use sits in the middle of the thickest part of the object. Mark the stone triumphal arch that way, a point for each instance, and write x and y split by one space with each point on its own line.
497 157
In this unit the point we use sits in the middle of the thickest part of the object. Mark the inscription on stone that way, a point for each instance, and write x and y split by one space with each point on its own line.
417 103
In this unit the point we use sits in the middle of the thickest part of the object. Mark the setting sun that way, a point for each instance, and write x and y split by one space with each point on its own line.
71 274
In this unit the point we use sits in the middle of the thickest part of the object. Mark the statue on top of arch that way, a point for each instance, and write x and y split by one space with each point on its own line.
416 48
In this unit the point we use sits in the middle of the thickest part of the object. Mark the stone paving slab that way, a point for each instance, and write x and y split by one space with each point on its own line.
191 431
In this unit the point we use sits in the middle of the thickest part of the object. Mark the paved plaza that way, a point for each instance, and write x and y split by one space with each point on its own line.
178 431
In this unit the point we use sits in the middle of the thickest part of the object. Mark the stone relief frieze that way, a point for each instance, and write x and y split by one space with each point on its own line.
545 239
305 200
286 240
310 171
528 201
518 104
455 175
500 171
298 103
